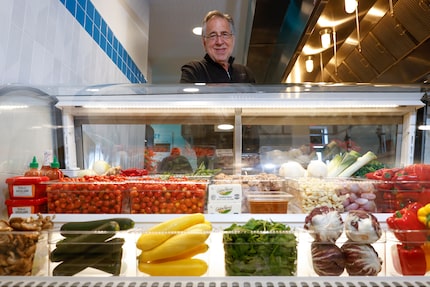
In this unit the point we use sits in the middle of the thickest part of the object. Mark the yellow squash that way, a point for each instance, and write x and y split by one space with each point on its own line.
182 267
163 231
199 249
178 244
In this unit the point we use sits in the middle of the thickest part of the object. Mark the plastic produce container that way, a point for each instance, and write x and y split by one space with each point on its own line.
408 253
88 195
262 182
343 194
178 195
267 201
394 195
343 257
23 253
27 206
22 187
272 254
90 253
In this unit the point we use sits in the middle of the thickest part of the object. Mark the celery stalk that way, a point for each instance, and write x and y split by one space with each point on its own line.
359 163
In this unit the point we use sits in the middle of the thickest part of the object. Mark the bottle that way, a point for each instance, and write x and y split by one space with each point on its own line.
54 172
46 164
33 168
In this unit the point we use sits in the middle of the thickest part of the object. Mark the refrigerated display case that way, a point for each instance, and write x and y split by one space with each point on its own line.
270 124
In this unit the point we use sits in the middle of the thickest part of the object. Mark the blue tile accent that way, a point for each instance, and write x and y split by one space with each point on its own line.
90 19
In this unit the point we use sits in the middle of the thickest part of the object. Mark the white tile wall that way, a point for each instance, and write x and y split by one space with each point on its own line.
43 44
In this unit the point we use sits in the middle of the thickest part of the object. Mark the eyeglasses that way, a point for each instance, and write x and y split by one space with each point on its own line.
215 36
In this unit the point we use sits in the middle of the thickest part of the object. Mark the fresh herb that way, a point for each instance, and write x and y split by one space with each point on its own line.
372 166
260 248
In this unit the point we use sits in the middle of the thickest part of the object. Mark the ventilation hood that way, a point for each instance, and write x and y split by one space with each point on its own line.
391 44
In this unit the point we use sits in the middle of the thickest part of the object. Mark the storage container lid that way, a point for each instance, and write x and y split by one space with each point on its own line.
21 180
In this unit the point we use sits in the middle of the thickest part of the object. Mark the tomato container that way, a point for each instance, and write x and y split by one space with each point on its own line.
157 195
88 195
26 187
27 206
394 195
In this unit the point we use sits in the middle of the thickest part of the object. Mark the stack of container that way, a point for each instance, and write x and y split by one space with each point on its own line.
27 193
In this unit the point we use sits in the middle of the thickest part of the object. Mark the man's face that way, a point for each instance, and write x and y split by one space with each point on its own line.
218 47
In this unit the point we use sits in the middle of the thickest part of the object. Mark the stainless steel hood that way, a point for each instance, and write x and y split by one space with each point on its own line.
394 44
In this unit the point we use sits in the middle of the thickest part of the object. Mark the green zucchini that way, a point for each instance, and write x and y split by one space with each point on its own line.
108 247
80 242
71 228
110 265
101 259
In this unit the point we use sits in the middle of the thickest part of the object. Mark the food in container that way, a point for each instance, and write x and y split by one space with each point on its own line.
267 201
260 248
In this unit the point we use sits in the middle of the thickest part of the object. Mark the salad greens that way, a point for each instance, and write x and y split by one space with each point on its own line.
260 248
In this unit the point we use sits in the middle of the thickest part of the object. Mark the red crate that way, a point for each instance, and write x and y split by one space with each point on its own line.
26 206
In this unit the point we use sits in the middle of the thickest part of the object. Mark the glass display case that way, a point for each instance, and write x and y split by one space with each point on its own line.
239 130
266 125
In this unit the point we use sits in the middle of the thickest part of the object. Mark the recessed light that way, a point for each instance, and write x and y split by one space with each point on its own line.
197 31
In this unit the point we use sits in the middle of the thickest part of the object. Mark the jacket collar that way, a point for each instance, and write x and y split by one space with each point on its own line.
209 59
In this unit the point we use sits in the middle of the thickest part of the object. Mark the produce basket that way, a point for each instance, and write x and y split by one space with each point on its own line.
343 194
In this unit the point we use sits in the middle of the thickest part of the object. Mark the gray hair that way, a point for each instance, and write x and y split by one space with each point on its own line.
216 13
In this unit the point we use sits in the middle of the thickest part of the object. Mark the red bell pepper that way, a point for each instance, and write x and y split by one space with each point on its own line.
384 174
412 259
422 171
406 226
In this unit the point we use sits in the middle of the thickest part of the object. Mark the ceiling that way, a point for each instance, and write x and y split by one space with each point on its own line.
275 37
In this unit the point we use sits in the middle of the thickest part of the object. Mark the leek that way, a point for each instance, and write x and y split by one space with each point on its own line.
359 163
347 159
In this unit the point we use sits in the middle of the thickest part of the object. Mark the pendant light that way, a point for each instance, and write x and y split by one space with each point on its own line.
309 63
325 38
350 6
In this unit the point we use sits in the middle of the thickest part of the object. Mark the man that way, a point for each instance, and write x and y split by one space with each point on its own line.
217 65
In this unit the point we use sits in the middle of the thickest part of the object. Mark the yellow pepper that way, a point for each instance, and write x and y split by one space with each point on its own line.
423 215
426 248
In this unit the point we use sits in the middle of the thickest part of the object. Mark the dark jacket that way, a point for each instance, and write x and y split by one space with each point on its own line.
208 71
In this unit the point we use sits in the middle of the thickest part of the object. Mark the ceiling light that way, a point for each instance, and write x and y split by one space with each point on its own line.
197 31
225 127
424 127
309 64
325 38
350 6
